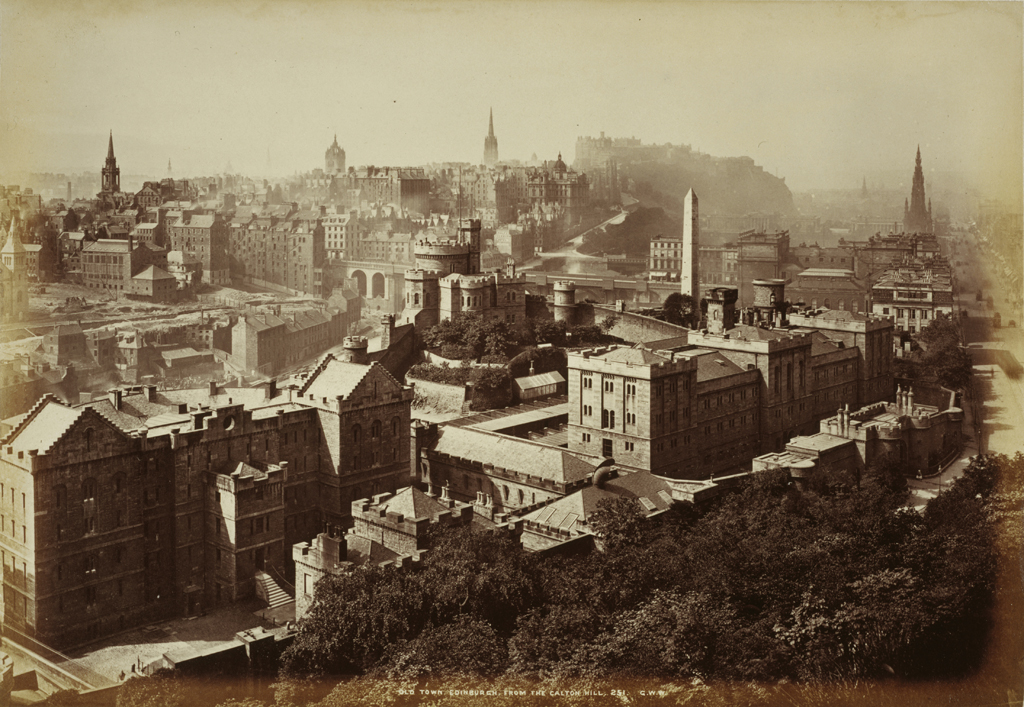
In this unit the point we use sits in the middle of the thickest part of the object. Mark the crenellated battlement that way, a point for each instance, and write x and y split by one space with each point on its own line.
422 274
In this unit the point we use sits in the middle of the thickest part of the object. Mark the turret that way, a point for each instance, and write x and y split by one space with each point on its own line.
355 349
469 234
722 309
565 301
770 300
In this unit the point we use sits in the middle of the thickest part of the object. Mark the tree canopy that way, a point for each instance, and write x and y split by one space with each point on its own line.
772 583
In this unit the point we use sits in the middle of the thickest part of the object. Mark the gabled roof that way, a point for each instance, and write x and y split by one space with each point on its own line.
41 429
572 511
108 245
332 378
153 273
360 550
713 364
413 503
513 453
540 380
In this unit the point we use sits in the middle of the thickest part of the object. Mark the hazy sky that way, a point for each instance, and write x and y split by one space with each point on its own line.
819 92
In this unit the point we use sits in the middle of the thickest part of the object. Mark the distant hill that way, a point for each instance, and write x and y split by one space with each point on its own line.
724 185
632 236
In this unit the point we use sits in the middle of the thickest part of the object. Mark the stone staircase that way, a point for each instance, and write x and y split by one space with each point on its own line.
269 591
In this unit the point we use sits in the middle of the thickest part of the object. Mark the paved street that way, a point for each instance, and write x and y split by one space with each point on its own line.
1002 426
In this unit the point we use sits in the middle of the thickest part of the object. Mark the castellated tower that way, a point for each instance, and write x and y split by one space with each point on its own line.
689 279
469 233
770 301
422 296
447 282
355 350
565 302
722 309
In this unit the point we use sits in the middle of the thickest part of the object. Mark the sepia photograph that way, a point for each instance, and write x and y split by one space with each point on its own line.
550 354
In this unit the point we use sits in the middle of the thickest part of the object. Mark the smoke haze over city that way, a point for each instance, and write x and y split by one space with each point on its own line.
822 94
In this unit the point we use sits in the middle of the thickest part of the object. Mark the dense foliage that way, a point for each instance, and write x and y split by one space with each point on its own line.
492 386
471 336
768 596
774 583
939 356
681 309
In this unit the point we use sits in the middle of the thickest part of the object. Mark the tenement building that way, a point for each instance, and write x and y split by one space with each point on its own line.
282 247
150 505
709 403
558 184
914 291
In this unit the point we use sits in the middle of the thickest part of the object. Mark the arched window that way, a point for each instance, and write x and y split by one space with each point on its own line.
375 429
396 425
89 490
88 440
60 496
828 304
521 497
505 490
355 434
416 298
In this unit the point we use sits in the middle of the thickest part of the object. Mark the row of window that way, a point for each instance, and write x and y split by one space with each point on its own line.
902 313
376 428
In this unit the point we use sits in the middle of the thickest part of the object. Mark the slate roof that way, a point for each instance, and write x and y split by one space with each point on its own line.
41 430
713 364
821 344
413 503
569 512
513 453
200 221
635 355
187 352
153 273
360 550
540 380
756 333
335 378
826 272
673 342
841 315
107 245
62 330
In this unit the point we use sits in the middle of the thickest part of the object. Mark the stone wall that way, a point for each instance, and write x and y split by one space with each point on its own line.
438 397
629 326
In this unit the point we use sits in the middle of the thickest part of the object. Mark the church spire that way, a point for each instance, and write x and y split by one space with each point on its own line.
110 146
490 143
917 219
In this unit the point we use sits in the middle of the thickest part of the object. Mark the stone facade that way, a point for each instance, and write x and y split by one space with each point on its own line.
447 283
268 342
710 401
150 505
13 275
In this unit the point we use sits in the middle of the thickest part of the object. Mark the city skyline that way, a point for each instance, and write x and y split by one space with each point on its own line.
818 93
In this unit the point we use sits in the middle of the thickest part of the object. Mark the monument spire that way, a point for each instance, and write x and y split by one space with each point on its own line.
490 143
